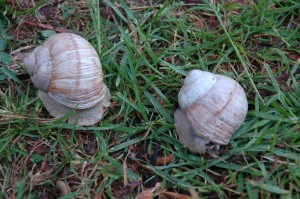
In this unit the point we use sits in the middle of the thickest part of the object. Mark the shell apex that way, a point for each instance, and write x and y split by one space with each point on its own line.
196 85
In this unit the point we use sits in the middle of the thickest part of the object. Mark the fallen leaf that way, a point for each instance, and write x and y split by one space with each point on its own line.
199 23
264 71
194 194
133 29
168 194
97 197
294 56
164 160
129 188
178 13
39 177
151 193
147 194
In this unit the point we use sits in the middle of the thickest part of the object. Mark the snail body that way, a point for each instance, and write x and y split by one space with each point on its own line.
67 72
212 108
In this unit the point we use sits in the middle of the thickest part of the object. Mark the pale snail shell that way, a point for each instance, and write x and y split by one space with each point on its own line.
212 108
67 71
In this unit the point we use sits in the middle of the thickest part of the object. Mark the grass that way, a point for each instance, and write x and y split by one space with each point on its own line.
146 50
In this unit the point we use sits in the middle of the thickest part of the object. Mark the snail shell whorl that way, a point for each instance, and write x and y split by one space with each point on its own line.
67 71
29 62
195 86
76 71
38 65
214 105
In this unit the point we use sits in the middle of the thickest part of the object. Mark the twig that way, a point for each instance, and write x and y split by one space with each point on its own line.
48 27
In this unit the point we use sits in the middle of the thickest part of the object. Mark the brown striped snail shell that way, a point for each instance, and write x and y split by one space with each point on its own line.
67 71
212 108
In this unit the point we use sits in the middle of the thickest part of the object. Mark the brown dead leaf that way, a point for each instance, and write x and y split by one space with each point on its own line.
129 188
164 160
161 160
281 79
241 159
294 56
44 163
174 195
146 195
169 59
199 23
91 147
161 101
151 193
40 148
265 72
133 29
193 192
97 197
213 22
275 164
39 177
293 86
178 13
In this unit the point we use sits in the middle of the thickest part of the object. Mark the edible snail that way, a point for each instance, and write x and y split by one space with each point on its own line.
67 71
212 108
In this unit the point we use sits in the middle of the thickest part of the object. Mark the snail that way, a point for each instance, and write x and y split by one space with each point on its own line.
211 109
67 72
